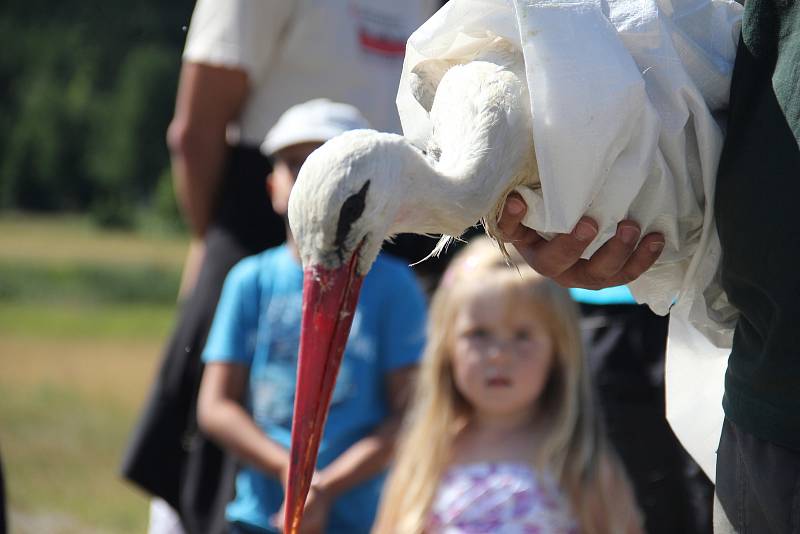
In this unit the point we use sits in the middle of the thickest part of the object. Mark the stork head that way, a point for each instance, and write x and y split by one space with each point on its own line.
340 210
345 200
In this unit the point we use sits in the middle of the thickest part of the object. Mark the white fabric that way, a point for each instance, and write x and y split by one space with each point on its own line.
624 95
295 50
163 518
316 120
694 375
722 525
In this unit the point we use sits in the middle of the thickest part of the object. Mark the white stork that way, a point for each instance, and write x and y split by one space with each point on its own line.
364 186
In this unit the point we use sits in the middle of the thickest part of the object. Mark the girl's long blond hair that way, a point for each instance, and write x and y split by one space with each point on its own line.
573 448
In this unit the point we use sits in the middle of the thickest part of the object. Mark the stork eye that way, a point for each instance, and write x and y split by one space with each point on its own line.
351 211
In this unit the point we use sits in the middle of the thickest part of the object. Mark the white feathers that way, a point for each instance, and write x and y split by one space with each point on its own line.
480 149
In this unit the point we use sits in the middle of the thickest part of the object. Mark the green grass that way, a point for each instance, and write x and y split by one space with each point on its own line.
69 321
83 318
21 281
62 452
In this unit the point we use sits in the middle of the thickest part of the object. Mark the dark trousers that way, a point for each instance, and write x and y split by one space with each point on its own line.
625 351
758 483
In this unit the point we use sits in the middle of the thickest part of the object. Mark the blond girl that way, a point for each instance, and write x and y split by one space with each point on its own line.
502 435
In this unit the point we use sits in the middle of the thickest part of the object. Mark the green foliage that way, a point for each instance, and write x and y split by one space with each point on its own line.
113 210
165 203
88 283
42 159
129 150
86 93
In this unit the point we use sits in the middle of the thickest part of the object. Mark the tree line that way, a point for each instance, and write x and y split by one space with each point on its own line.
87 88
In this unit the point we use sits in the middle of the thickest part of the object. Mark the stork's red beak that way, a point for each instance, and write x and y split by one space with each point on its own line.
329 302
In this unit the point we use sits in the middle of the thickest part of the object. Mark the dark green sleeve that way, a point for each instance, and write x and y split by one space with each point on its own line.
757 202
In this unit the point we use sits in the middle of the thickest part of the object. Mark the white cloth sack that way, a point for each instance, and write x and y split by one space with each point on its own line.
624 95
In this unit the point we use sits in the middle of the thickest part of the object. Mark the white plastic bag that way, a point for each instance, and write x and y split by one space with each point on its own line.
623 95
694 372
624 98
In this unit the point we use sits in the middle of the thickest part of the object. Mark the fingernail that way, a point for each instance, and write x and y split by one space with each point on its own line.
584 231
628 234
514 206
656 246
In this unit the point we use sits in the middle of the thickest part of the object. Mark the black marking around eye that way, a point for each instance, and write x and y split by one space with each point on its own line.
352 209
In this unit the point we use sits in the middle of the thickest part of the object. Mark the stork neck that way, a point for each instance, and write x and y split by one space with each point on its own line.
439 202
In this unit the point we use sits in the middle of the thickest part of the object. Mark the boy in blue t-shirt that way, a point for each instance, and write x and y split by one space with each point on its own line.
247 392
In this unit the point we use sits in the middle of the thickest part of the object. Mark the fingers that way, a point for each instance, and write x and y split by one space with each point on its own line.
645 255
512 230
619 261
510 222
552 258
612 264
610 259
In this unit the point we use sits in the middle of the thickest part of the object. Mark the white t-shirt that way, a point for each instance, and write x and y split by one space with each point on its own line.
294 50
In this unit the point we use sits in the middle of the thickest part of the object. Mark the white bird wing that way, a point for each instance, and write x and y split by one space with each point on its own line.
424 80
481 127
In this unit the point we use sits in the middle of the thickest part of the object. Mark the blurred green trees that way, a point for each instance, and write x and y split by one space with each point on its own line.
86 93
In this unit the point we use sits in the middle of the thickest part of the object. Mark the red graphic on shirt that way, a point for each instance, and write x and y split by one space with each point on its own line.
381 45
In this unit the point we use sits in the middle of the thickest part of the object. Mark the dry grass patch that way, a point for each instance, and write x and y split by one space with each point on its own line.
63 238
66 410
116 371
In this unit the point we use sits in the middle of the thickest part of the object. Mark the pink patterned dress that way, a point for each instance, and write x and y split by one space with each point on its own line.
502 498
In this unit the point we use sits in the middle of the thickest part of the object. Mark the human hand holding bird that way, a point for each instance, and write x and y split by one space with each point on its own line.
622 259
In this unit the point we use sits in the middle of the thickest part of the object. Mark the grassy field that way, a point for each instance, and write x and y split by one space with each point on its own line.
83 316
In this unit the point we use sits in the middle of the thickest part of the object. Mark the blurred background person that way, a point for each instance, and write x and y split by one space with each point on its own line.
245 62
501 435
247 392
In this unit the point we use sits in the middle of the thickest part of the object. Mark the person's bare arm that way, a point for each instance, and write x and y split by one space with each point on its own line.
622 259
208 99
221 415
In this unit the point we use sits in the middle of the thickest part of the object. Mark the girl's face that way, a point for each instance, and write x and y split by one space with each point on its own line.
501 353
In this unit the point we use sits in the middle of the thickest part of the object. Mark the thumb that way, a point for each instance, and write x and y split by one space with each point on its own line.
511 217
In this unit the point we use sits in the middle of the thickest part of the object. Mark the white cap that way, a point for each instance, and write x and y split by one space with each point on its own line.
313 121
